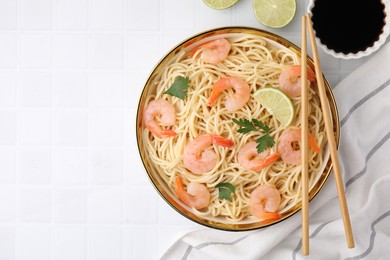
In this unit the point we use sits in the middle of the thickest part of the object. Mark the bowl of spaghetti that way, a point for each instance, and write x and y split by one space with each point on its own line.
215 153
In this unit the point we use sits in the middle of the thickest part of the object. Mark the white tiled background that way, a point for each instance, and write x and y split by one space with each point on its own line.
71 71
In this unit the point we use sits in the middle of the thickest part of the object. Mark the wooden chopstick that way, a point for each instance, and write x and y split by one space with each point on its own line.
304 143
331 140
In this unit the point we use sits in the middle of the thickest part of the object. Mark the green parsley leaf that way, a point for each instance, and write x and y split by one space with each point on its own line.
225 190
263 142
246 125
260 124
178 88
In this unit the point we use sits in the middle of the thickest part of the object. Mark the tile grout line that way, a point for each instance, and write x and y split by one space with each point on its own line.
18 123
124 125
88 108
53 117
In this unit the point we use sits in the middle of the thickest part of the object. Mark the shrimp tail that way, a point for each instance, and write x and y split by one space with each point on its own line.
218 87
268 161
167 133
213 97
311 76
270 215
222 141
181 193
192 53
296 72
179 185
313 143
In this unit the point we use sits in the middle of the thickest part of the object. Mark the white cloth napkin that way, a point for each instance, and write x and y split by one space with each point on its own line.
363 100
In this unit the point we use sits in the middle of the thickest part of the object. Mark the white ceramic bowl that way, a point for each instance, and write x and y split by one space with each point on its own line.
369 50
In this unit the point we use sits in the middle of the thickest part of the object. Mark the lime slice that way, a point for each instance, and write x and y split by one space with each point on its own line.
274 13
219 4
277 104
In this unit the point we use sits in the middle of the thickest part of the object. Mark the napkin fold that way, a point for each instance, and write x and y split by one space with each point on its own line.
363 100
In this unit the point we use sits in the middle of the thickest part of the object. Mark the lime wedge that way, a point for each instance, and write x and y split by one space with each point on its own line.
274 13
277 104
219 4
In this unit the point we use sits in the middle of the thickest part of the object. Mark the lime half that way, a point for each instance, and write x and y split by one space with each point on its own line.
277 104
219 4
274 13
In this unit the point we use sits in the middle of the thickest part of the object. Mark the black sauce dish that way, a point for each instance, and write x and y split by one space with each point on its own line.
350 29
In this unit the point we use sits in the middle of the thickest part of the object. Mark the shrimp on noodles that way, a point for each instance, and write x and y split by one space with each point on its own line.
290 81
213 52
264 202
287 152
167 112
251 160
240 97
196 196
197 159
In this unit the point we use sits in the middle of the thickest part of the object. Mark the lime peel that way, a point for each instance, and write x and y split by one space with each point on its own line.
219 4
274 13
277 104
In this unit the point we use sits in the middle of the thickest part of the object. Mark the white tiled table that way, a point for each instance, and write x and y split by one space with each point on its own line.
71 71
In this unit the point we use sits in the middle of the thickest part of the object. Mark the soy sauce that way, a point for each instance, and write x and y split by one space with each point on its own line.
348 26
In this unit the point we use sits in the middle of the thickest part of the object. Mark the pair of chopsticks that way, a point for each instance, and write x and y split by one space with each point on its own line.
330 137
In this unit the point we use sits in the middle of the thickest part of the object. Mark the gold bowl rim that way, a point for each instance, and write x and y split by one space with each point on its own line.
158 186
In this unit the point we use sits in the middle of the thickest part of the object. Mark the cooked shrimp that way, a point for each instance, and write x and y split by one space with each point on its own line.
251 160
213 52
286 150
168 117
290 81
197 159
240 97
264 202
196 196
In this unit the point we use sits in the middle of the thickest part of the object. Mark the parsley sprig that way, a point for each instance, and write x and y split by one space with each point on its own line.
264 141
179 87
225 190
